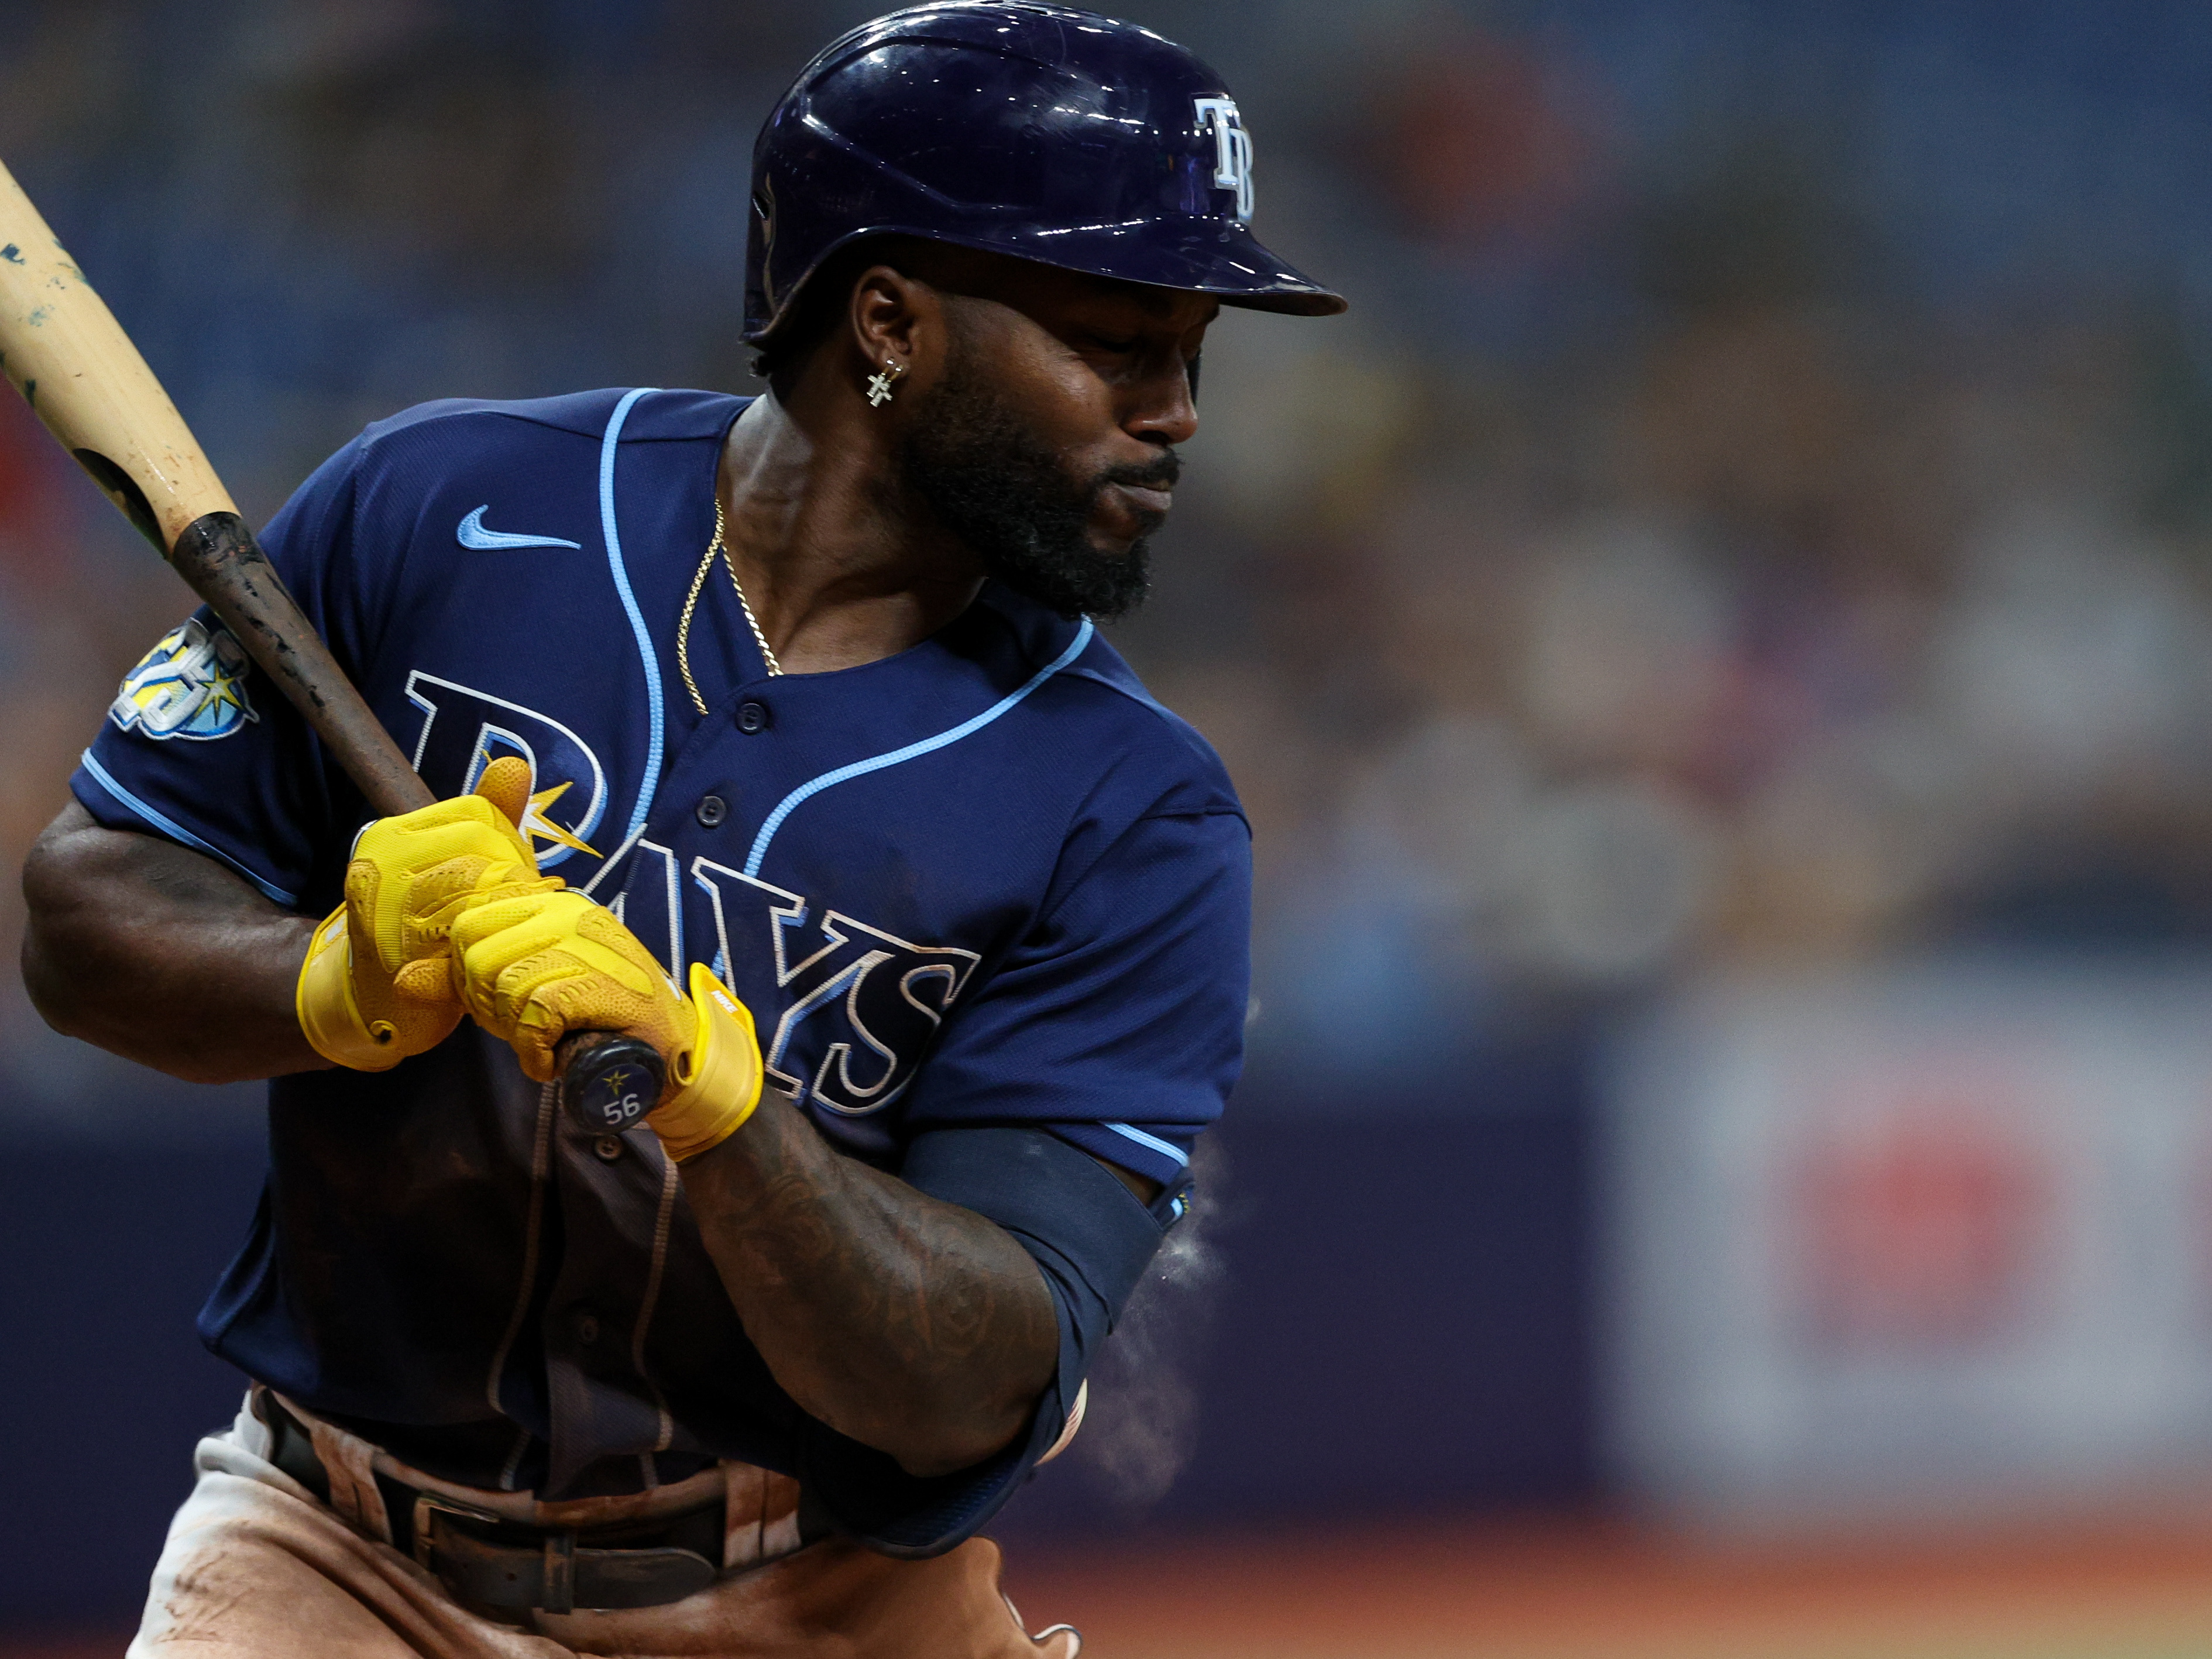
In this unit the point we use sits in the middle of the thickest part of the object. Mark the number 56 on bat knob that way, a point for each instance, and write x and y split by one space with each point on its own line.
610 1082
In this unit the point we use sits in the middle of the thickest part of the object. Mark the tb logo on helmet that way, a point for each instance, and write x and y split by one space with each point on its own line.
1232 148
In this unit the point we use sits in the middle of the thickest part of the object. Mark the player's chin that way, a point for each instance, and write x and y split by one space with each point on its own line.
1119 520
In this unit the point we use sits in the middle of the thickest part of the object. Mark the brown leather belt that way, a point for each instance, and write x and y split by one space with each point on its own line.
486 1561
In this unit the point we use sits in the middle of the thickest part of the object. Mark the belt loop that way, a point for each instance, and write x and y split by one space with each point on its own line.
349 1463
560 1572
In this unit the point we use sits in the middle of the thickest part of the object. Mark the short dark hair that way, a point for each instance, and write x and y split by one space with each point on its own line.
820 305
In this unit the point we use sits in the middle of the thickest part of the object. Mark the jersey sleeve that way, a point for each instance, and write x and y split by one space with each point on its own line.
1091 1241
201 747
1118 1023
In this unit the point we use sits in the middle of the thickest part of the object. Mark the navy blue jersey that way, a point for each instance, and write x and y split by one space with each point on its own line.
984 886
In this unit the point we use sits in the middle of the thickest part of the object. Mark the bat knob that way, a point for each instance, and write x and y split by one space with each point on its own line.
610 1082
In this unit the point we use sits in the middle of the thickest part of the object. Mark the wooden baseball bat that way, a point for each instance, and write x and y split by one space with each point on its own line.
62 348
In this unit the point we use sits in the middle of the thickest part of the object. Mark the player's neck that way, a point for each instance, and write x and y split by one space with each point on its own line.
832 564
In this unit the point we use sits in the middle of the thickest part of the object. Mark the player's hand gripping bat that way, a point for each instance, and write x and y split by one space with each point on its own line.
63 350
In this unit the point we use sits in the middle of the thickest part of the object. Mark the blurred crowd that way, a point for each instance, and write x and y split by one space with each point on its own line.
1797 630
1695 548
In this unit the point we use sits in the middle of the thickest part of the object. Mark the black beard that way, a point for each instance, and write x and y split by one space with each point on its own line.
1008 496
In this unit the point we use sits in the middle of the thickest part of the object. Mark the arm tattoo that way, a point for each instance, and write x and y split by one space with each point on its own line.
910 1324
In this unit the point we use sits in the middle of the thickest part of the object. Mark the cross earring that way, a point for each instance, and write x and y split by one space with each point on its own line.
880 386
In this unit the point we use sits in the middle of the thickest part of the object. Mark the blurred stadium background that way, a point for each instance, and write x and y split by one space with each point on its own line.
1718 650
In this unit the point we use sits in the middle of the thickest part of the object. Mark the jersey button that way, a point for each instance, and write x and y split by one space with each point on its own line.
752 717
711 810
588 1330
609 1147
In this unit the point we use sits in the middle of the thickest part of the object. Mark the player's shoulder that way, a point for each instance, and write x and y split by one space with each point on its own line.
407 488
624 414
414 471
1108 722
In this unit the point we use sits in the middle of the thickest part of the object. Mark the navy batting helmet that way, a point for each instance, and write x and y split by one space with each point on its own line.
1035 131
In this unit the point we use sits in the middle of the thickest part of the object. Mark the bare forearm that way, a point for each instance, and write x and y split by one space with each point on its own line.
912 1325
160 955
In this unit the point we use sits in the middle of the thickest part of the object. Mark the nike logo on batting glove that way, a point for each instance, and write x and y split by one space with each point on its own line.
472 533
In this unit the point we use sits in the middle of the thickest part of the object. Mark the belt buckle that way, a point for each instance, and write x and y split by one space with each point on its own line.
428 1503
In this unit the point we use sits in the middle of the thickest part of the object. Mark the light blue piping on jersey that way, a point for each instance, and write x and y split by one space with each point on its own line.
607 446
1164 1148
176 831
858 768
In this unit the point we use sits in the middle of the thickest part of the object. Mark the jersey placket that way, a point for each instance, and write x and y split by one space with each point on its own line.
616 1196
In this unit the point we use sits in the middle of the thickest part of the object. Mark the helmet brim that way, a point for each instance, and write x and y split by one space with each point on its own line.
1194 256
1198 256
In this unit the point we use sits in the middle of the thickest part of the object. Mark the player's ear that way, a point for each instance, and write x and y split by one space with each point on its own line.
897 328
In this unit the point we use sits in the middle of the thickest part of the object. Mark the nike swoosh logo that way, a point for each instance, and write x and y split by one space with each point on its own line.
472 533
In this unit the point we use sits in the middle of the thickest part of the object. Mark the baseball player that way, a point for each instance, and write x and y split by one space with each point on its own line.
776 732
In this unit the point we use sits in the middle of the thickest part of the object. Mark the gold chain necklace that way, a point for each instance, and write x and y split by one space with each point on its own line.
691 604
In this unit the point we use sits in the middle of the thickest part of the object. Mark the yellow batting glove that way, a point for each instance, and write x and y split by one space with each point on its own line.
537 966
377 985
717 1080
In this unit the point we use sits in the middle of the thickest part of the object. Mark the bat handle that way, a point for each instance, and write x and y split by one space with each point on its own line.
610 1081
